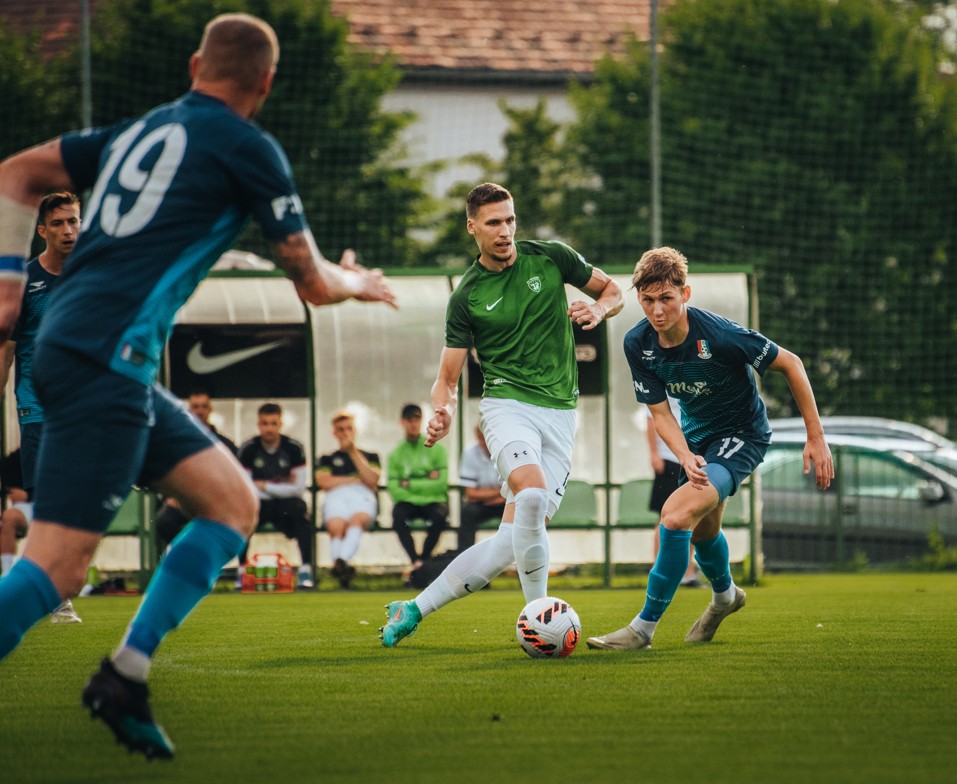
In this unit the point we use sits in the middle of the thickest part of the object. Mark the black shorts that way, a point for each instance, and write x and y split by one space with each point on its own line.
665 484
103 433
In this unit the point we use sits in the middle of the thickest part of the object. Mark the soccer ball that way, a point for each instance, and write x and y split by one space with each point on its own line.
548 628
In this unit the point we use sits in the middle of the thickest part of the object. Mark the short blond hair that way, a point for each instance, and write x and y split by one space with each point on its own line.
660 267
238 48
342 414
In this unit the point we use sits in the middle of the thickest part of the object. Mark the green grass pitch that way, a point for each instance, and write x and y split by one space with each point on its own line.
823 678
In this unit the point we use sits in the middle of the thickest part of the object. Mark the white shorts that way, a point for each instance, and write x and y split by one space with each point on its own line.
549 431
348 500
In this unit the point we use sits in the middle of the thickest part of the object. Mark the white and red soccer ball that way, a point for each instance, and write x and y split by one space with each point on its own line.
548 628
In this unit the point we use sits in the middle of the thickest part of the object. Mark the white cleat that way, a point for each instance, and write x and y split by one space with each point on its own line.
65 614
626 639
706 626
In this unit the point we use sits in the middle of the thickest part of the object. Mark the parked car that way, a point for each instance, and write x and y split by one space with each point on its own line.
868 426
885 500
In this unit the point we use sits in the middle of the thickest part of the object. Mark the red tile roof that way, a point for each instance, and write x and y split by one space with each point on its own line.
552 36
549 37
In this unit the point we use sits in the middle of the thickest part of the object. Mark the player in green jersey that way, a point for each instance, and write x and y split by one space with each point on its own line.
511 307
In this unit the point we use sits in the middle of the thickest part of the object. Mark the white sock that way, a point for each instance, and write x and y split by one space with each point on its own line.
335 549
645 627
724 598
7 560
131 663
470 571
530 542
306 569
350 543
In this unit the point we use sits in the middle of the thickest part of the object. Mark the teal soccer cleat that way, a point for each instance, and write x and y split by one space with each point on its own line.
404 619
123 706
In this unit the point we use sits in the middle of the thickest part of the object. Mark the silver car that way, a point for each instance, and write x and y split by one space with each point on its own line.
885 501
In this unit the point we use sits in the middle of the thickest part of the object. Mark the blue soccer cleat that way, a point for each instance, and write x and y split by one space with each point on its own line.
404 619
124 706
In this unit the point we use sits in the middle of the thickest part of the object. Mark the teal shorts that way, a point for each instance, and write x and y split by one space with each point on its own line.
730 460
103 433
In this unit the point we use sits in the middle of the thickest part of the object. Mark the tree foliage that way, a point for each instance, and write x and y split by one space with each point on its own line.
814 140
324 109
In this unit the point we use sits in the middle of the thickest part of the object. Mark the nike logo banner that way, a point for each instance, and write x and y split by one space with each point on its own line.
239 360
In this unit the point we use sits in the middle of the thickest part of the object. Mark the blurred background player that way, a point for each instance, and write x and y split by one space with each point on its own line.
708 363
170 518
349 478
201 168
59 226
418 482
277 465
511 306
482 499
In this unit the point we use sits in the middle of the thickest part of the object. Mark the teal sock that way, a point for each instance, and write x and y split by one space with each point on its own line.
186 575
26 595
665 577
714 559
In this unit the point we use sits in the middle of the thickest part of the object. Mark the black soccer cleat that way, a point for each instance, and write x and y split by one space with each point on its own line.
124 706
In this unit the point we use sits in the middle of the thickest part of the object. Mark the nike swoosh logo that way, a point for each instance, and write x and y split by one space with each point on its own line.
489 307
201 364
532 571
467 589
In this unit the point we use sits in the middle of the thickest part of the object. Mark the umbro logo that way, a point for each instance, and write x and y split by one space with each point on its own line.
37 285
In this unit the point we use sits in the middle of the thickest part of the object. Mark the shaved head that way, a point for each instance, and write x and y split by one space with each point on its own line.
238 48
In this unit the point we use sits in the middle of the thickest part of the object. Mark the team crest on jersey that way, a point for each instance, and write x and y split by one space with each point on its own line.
535 284
704 350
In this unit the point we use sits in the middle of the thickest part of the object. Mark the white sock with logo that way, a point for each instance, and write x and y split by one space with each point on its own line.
530 542
470 571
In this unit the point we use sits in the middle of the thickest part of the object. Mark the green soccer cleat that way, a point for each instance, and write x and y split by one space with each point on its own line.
404 619
123 706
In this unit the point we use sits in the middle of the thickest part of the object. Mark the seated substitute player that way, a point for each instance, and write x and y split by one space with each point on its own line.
512 308
418 482
707 362
349 477
170 518
277 465
482 499
171 190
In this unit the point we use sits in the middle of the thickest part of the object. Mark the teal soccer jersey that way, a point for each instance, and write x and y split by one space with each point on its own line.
711 375
517 320
171 192
40 284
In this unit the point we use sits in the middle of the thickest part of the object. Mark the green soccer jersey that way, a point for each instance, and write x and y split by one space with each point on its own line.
517 320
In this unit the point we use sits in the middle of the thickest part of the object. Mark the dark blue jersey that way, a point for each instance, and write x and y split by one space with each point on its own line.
40 283
711 375
171 191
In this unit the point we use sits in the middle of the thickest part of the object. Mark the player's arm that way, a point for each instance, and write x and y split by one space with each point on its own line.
816 449
24 178
368 473
445 393
293 487
670 431
657 464
7 352
320 282
608 301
